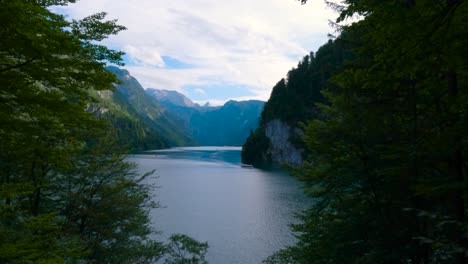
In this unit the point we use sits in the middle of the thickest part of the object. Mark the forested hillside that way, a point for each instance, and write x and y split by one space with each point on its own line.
139 121
293 100
387 163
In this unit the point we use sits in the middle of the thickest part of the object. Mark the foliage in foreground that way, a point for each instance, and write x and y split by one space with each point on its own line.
388 165
66 193
182 249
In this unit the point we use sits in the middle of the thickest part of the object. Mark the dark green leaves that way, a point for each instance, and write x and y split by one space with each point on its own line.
93 28
66 193
388 166
185 250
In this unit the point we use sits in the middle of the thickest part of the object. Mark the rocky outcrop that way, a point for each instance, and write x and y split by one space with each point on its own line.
293 100
281 150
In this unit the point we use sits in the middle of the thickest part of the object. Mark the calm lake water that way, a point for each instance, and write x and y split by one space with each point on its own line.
243 213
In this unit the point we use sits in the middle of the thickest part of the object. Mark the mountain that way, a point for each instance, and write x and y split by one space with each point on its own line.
293 101
171 97
138 119
229 124
154 119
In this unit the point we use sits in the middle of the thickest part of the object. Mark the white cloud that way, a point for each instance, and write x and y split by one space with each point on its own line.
148 56
244 42
200 91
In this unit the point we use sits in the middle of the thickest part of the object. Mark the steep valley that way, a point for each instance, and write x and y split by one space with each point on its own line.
155 119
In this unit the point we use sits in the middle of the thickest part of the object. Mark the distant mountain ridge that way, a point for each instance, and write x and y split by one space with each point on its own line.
173 97
155 119
227 125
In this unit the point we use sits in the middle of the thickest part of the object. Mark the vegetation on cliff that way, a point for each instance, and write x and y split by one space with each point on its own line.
295 99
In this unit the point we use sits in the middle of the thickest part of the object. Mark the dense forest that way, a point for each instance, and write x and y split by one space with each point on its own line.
67 195
294 100
386 162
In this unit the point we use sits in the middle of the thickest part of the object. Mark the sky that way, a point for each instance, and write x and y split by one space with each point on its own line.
211 50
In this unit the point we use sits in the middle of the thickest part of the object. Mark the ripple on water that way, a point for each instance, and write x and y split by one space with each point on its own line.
244 214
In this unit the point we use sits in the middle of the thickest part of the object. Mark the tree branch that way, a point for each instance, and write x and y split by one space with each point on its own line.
16 66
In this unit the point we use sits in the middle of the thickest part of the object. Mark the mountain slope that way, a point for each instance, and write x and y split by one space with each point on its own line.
226 125
229 124
149 109
171 97
153 119
138 119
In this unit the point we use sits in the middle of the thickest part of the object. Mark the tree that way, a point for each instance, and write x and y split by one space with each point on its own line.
388 166
105 202
185 250
47 67
67 194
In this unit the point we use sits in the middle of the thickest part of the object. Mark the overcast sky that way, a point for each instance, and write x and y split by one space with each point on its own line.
212 50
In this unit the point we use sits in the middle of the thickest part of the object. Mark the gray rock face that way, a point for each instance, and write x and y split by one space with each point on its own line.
281 149
171 96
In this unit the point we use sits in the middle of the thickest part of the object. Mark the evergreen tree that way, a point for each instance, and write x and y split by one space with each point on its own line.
387 167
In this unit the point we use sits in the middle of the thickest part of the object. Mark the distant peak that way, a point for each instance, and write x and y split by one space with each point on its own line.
248 102
170 96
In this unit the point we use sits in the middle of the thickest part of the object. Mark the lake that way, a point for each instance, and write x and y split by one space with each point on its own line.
243 213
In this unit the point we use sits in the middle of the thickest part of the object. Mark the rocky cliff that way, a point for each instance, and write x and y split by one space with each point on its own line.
282 150
293 101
